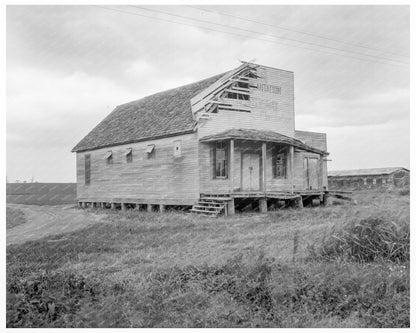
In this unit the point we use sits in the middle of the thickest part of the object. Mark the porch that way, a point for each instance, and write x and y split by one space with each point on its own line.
261 165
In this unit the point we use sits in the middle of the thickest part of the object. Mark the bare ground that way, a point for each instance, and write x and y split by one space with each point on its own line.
49 220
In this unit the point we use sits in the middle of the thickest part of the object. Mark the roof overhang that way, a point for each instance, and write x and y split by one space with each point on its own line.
149 138
260 136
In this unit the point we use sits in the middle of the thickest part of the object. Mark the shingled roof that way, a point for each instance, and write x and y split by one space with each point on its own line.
258 135
163 114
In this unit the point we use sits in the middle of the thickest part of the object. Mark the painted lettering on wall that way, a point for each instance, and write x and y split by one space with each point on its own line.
269 88
263 104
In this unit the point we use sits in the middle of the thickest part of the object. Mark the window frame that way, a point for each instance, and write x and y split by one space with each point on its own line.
225 160
129 155
87 170
177 148
150 151
280 154
109 160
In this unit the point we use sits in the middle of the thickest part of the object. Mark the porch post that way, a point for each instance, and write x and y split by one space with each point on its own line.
231 171
321 172
263 169
292 166
230 210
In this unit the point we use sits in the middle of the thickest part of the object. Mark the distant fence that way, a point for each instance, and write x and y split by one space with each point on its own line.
41 193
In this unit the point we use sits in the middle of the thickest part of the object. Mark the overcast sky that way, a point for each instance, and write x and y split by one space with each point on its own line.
69 66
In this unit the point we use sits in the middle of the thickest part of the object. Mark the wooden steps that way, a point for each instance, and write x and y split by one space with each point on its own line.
208 207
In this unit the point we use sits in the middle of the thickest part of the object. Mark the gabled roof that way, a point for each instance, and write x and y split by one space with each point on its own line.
365 172
258 135
163 114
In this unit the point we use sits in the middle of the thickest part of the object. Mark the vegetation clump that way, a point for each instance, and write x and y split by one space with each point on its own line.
171 270
14 217
369 239
47 299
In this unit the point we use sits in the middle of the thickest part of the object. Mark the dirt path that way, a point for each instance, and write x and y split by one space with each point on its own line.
49 220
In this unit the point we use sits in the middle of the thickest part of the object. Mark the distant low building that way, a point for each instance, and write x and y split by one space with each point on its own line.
369 178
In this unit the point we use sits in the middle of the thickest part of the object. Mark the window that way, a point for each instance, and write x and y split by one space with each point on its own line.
221 160
109 157
129 155
150 151
87 169
279 163
177 148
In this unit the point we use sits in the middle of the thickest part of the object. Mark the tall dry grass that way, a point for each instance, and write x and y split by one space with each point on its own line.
364 240
175 270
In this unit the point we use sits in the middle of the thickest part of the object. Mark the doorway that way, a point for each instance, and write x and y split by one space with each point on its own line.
310 173
250 172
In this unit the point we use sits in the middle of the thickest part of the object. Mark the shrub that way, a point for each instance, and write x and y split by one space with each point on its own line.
405 191
367 240
47 299
375 294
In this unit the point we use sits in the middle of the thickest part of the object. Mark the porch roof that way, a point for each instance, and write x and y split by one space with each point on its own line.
263 136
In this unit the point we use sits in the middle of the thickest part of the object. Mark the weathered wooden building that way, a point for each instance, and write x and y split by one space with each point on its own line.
369 178
206 144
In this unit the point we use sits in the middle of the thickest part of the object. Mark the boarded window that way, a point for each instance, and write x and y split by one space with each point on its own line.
177 148
221 160
280 162
109 157
87 169
129 155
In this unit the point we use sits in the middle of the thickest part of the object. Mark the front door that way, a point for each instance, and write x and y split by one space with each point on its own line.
311 173
250 172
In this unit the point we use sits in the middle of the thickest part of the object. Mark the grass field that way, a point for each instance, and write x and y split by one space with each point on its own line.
14 217
339 266
41 193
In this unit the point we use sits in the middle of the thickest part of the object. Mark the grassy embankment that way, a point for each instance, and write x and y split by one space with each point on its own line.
14 217
338 266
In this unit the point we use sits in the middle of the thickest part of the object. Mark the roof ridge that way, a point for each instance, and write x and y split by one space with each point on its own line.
148 117
176 88
368 169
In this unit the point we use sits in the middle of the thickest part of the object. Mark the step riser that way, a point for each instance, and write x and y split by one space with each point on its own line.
208 208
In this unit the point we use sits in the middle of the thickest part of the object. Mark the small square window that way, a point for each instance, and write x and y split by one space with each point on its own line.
129 155
109 157
177 148
150 151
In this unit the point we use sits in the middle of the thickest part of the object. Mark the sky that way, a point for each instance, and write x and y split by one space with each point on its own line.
69 66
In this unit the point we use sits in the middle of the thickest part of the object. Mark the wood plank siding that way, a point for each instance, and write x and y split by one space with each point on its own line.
258 115
316 140
210 184
162 178
271 108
